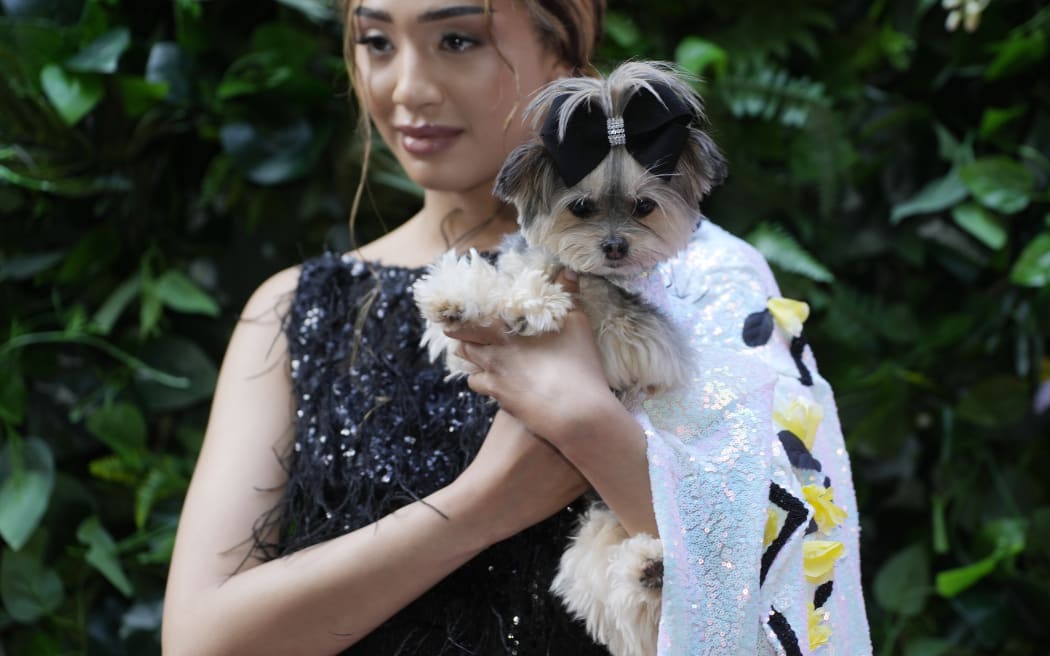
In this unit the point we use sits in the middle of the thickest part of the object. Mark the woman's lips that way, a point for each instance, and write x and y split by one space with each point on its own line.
427 139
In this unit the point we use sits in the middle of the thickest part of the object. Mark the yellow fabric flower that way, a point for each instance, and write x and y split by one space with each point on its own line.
772 527
825 512
818 558
818 633
789 314
801 417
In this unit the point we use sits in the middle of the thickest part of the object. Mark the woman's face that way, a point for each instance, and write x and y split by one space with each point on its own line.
437 83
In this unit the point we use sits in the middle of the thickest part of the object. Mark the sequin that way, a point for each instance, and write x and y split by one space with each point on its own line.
403 433
719 434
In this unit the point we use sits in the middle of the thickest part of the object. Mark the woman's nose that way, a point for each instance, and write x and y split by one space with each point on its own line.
417 83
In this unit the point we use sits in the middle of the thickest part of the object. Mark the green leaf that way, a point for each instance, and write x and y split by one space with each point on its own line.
24 267
934 197
999 183
1008 534
106 316
189 29
150 309
121 426
28 589
178 356
170 65
60 11
272 155
1017 54
158 483
139 94
12 391
27 478
902 584
143 371
73 95
1032 268
178 292
103 54
995 118
254 72
953 581
782 250
696 55
102 553
622 30
977 221
315 10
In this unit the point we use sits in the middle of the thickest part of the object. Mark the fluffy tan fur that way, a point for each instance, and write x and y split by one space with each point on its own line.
602 581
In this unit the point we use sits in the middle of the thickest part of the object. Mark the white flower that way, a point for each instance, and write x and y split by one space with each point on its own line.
966 12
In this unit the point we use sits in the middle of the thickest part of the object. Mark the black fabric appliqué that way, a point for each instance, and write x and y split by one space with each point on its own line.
758 328
796 516
797 452
822 594
798 345
785 634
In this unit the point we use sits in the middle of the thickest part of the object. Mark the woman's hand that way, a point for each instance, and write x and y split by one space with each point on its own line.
552 382
518 479
556 386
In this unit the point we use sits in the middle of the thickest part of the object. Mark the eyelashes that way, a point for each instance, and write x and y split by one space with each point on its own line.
585 207
454 42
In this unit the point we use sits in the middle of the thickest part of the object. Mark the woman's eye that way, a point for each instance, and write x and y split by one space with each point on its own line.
458 42
644 207
376 43
583 207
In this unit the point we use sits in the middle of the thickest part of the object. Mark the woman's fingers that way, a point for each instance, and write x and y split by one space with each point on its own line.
478 334
569 280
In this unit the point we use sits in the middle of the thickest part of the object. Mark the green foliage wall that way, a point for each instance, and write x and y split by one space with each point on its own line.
160 159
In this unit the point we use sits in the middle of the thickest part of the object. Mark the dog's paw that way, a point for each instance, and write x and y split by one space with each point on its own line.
457 290
533 305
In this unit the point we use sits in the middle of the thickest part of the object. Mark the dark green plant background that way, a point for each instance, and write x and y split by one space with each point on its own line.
160 159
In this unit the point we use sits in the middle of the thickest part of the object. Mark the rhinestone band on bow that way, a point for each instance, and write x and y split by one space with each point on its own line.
617 134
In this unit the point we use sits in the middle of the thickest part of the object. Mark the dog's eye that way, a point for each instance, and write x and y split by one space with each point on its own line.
583 207
644 207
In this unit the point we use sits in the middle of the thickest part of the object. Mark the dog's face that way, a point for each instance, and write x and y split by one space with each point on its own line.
613 185
618 220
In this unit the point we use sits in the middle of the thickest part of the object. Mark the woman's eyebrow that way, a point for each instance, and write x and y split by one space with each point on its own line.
427 16
374 14
450 12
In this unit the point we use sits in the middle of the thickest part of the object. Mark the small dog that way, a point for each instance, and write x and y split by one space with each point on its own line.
611 188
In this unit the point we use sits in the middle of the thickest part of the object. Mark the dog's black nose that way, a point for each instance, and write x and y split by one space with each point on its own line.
615 248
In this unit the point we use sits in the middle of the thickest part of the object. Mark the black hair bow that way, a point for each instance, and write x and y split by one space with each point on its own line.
654 130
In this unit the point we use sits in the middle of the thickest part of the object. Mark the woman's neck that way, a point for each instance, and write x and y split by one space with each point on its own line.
447 220
460 220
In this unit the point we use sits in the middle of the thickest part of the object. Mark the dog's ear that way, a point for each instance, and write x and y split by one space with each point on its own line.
702 165
529 180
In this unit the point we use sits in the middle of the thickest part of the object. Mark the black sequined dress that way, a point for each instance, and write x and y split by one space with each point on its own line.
378 427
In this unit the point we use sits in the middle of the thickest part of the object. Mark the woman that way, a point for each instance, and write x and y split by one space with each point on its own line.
347 497
444 82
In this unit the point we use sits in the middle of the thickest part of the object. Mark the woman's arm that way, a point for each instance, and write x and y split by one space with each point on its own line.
221 600
554 383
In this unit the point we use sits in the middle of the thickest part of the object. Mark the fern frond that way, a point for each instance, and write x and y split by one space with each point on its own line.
769 93
784 252
759 32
